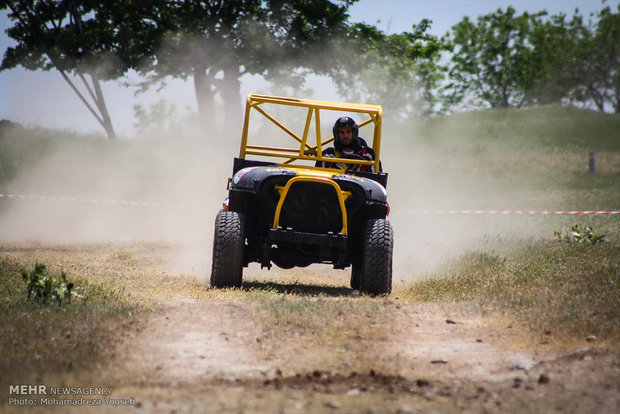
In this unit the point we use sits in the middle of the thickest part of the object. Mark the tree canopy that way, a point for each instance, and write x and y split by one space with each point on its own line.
401 71
492 59
216 43
602 62
501 59
507 60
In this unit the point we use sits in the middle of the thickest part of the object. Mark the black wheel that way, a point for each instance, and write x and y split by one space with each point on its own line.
356 276
228 250
376 272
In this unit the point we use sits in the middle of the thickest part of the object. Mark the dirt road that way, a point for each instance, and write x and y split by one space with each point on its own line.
211 356
318 347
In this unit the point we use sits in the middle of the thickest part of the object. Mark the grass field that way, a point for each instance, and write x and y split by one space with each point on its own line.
529 159
42 340
560 292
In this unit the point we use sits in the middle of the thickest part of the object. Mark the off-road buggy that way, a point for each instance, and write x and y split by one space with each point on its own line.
283 209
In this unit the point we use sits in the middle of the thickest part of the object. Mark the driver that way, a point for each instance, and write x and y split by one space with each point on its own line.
347 144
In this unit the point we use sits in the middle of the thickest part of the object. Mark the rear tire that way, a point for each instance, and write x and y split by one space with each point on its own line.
356 276
228 250
376 272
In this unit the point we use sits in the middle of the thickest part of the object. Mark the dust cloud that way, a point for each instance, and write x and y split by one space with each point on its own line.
181 175
165 186
428 178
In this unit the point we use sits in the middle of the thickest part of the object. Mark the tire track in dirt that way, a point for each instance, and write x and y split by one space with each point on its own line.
436 356
207 342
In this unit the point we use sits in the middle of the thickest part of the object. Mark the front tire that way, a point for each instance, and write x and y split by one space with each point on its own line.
376 272
228 249
356 276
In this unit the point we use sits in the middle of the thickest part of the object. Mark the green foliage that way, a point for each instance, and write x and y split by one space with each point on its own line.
507 60
580 234
204 40
45 288
165 39
492 63
570 289
602 63
576 62
559 48
501 59
61 35
401 71
159 117
38 340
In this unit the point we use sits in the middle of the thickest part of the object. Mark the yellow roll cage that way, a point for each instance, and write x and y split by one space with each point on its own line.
308 150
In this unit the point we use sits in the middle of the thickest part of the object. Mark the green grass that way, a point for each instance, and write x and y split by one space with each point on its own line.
540 129
23 148
63 162
510 159
526 159
334 332
318 317
569 289
499 159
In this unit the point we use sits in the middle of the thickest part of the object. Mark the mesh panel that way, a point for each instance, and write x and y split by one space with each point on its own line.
311 207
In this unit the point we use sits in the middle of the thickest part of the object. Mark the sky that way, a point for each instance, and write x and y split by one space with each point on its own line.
44 99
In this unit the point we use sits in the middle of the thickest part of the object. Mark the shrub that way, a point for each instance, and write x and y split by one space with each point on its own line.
45 288
580 234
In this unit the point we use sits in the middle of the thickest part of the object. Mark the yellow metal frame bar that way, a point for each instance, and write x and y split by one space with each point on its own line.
306 150
342 195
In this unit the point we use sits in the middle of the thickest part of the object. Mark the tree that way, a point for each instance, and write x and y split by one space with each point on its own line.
216 43
67 36
557 58
602 86
507 60
492 60
401 71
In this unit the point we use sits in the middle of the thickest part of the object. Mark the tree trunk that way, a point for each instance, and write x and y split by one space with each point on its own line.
95 93
616 98
597 97
101 113
231 94
106 121
203 86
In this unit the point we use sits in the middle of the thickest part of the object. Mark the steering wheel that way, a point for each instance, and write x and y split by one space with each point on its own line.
354 167
354 157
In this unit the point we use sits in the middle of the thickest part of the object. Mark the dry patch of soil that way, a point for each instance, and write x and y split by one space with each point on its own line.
206 356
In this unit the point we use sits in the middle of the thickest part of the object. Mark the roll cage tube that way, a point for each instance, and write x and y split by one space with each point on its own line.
307 150
342 196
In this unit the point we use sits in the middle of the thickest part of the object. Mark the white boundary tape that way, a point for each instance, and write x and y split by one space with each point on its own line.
153 204
93 201
543 212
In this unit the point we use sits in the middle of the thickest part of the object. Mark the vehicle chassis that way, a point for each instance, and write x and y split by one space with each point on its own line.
294 215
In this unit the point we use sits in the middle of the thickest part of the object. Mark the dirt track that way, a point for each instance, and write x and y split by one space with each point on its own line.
214 353
208 355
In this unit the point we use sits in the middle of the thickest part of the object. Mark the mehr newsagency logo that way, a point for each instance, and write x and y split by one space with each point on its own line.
43 395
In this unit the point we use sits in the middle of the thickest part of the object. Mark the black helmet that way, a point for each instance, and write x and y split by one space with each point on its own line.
345 122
